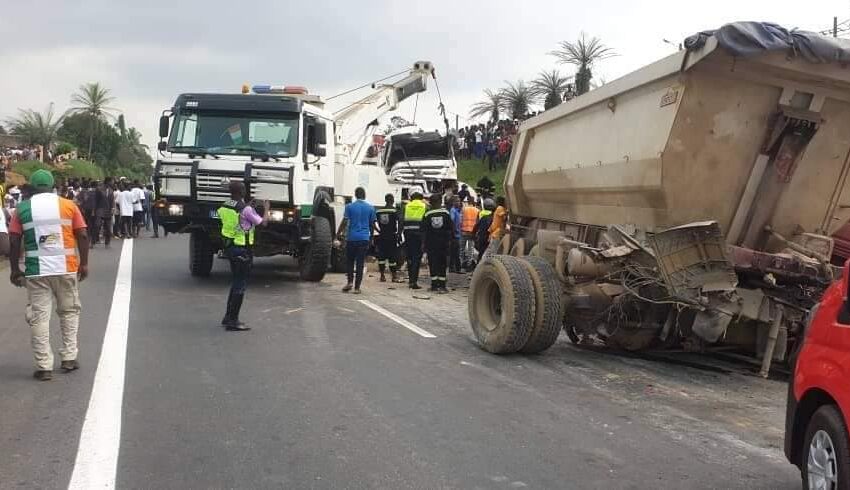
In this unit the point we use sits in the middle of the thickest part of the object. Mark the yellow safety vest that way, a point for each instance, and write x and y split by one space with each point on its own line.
413 214
230 229
484 213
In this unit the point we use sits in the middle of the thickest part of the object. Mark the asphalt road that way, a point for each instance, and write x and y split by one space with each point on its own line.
327 392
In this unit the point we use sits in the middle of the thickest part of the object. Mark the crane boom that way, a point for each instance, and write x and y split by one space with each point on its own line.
358 122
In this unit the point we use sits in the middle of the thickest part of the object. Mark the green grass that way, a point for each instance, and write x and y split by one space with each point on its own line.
81 169
470 171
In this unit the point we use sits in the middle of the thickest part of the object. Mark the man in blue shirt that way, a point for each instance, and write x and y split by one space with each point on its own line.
361 218
454 251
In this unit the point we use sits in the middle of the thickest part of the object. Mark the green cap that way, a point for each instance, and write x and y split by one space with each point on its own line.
41 178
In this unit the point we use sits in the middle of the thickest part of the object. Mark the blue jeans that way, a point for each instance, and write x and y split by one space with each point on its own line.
355 252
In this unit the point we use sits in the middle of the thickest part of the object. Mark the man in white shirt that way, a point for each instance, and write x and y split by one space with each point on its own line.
138 208
479 143
4 233
125 203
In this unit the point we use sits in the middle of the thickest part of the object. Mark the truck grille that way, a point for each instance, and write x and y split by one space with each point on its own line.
213 187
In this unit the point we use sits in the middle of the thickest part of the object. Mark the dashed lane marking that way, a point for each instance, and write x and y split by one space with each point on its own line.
97 455
401 321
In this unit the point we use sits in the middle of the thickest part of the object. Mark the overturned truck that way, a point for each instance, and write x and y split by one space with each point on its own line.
686 205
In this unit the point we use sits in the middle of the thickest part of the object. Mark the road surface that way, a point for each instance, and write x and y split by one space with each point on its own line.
330 390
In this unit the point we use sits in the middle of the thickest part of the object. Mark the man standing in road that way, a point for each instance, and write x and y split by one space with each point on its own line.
437 232
238 221
469 218
414 211
4 233
138 208
56 251
454 249
125 202
104 202
147 205
389 235
361 218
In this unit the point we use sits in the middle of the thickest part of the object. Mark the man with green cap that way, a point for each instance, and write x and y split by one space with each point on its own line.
55 252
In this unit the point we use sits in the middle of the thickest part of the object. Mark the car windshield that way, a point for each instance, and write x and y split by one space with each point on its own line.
236 133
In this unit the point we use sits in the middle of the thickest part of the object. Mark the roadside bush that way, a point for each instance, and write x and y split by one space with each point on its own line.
27 167
80 169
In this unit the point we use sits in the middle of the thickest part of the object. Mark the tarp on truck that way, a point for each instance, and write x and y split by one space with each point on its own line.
747 39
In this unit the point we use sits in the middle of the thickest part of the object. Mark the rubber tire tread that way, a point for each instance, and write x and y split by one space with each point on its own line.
200 254
518 304
548 308
828 418
314 266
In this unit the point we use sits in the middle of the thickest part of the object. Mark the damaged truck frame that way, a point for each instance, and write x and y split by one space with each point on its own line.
686 205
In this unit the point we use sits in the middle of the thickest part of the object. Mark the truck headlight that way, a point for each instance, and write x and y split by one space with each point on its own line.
276 215
175 210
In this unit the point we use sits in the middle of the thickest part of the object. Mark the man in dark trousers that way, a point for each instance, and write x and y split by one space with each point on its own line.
238 220
389 235
360 217
414 211
437 233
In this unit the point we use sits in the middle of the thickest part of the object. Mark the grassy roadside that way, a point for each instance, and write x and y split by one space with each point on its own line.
470 171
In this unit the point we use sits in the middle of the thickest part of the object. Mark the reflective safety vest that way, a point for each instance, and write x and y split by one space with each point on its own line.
413 213
484 213
469 216
50 247
230 228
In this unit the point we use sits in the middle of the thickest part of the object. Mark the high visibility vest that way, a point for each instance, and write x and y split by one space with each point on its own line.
413 213
469 216
50 247
484 213
230 228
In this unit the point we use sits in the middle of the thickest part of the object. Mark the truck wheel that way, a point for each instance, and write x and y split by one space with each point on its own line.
535 251
313 262
200 254
518 248
825 455
548 310
501 304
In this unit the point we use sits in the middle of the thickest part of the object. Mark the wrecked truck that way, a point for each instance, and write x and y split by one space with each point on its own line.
686 205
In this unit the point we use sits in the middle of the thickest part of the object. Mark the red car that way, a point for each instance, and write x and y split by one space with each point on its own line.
816 436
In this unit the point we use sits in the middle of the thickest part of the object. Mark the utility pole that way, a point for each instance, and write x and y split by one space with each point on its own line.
457 122
835 27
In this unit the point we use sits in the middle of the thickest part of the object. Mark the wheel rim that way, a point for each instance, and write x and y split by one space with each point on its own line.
490 309
822 465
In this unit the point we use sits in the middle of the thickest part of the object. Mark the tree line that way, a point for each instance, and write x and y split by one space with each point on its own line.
91 128
551 87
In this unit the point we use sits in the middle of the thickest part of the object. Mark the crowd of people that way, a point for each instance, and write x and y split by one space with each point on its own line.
10 155
491 142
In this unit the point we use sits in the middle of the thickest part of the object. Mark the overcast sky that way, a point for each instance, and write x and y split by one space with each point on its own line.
148 52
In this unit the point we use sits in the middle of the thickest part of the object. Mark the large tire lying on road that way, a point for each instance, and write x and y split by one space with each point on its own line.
548 308
200 254
501 304
313 263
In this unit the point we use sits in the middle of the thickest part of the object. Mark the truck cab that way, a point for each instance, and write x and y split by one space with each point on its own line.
276 145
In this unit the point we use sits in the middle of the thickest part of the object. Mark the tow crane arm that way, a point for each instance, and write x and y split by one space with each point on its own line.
358 122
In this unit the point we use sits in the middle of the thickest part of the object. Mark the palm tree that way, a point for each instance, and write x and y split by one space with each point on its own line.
93 100
583 53
551 86
517 98
37 128
492 105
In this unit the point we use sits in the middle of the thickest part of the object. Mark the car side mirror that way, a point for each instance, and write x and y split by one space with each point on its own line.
163 127
161 146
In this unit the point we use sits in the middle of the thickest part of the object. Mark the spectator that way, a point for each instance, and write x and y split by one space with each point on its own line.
361 218
454 249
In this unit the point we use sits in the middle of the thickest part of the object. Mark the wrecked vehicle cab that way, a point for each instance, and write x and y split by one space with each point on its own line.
420 157
689 204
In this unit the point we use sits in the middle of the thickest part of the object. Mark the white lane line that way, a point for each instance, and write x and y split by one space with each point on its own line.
401 321
97 455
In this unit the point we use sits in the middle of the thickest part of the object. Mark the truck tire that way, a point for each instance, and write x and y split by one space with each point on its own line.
535 251
501 304
518 248
313 263
548 310
826 435
200 254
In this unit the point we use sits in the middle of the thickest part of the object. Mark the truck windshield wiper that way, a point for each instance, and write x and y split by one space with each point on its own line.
253 152
193 150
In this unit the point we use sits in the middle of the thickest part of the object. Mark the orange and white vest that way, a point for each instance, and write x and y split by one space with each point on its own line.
50 247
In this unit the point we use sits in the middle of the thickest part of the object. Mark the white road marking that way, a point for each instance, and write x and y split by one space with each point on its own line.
97 455
401 321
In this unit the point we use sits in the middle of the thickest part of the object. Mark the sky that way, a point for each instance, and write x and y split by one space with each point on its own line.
148 52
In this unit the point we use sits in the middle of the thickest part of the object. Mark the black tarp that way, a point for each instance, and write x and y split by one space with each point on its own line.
753 38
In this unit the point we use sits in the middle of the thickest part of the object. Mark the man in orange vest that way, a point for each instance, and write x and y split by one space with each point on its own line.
469 218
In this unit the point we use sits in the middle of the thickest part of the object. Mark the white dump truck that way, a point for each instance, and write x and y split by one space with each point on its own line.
688 204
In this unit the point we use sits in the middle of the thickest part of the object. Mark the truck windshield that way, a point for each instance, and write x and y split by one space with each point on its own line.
425 146
236 133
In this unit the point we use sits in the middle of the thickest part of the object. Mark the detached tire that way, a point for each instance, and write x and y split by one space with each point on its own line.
200 254
826 440
548 309
501 304
313 263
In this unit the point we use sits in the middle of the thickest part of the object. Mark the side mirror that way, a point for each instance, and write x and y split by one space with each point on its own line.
163 127
161 146
320 151
321 134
